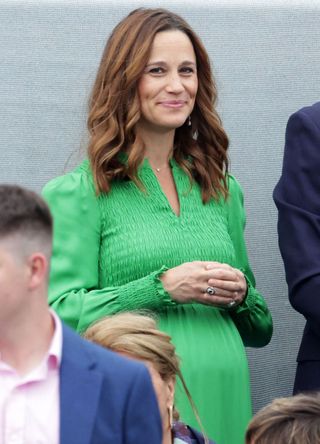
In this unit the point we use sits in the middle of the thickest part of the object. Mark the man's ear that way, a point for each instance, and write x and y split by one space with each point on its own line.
37 270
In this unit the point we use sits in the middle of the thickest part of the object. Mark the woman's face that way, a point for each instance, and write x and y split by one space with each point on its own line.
169 84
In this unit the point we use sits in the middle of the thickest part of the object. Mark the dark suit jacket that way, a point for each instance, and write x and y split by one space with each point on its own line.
104 398
297 196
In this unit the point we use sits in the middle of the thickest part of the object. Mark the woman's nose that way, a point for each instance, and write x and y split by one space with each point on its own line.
174 84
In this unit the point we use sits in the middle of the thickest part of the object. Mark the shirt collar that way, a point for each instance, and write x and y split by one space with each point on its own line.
55 349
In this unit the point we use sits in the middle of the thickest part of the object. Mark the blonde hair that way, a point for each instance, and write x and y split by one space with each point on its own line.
114 109
137 335
294 420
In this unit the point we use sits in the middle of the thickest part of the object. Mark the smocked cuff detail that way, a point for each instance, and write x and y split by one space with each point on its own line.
163 294
249 301
145 294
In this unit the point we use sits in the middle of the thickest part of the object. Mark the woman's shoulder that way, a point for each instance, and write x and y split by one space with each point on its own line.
234 187
78 181
235 193
73 203
197 436
184 433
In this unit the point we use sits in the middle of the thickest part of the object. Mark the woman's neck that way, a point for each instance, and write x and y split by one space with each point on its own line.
158 146
167 436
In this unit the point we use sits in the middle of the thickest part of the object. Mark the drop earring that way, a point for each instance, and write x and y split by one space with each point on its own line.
170 416
189 121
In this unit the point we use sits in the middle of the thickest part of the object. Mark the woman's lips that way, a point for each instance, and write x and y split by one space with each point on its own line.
173 103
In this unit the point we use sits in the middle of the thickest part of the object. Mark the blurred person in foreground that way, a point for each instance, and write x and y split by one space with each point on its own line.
55 387
137 336
294 420
154 221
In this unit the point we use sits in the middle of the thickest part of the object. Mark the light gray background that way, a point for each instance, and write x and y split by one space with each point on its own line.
266 62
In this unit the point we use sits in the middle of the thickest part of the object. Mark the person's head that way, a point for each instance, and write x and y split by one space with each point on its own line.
155 73
293 420
137 336
25 247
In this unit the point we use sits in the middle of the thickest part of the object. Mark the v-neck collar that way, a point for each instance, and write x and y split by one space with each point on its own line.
151 182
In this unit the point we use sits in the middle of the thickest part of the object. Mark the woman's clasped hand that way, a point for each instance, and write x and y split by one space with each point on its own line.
210 283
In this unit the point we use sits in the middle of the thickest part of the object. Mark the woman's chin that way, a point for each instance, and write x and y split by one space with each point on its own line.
172 125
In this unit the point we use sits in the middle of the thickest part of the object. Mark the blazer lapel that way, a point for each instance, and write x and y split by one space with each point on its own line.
80 385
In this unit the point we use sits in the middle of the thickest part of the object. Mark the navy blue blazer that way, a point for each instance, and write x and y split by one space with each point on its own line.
297 196
104 398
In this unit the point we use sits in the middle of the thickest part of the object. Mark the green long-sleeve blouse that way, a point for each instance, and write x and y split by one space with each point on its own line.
109 251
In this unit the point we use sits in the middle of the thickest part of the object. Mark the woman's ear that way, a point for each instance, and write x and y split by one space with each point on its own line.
171 384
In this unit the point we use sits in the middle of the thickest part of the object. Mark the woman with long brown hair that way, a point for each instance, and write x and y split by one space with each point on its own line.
154 221
136 336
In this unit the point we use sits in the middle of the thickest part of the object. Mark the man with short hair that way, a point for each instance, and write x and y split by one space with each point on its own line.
55 387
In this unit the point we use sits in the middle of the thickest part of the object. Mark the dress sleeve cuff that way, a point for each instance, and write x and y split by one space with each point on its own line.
249 301
146 293
163 295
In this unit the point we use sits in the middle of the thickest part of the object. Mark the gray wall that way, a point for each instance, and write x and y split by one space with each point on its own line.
266 61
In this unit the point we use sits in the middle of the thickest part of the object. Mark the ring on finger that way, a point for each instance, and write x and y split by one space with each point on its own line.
210 291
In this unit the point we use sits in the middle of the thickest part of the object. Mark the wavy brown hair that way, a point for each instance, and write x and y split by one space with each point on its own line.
114 109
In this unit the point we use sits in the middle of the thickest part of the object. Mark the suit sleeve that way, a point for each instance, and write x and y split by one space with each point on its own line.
252 317
74 290
142 418
297 197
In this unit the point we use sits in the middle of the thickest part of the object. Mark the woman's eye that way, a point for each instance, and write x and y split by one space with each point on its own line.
156 70
187 70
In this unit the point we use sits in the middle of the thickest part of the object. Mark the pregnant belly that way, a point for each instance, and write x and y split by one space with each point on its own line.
205 338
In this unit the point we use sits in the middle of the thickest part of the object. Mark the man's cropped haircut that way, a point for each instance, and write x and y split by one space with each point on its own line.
24 213
293 420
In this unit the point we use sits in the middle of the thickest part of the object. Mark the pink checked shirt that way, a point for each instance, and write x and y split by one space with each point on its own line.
29 405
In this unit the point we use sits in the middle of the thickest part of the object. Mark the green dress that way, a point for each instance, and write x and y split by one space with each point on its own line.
108 254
